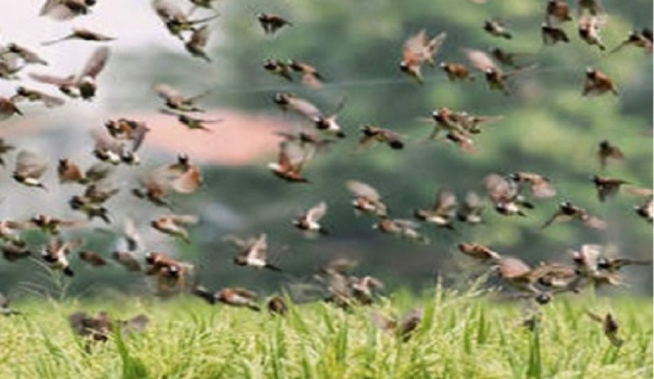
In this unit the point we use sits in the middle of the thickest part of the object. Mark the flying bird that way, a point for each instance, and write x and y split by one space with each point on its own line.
418 50
81 34
271 23
30 168
310 220
567 211
598 83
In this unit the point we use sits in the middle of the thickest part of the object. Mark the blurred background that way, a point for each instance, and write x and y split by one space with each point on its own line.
547 127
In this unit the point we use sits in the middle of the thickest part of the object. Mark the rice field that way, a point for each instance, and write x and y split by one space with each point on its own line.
461 335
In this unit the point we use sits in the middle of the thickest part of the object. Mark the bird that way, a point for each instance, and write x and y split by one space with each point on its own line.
192 123
23 93
495 77
127 260
456 71
418 50
589 31
478 251
402 228
541 187
290 102
26 55
366 198
29 169
175 225
567 211
497 29
8 108
442 213
610 327
639 38
279 68
646 209
255 254
64 10
176 20
557 11
291 159
471 209
598 83
551 35
310 220
174 100
276 305
81 34
505 195
329 123
4 149
5 307
310 75
271 23
92 258
56 252
372 134
197 43
607 187
593 7
238 297
403 328
608 152
128 130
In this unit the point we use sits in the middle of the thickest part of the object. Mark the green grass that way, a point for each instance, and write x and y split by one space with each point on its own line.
461 336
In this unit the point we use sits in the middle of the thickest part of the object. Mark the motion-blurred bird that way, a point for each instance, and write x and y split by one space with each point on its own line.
197 43
271 23
608 152
193 123
495 77
26 55
128 130
471 209
127 260
81 34
456 71
92 258
176 20
541 187
566 211
594 7
276 305
291 102
8 108
291 160
598 83
607 187
479 252
4 149
32 95
551 35
83 84
589 31
64 10
30 167
279 68
610 327
403 328
256 254
174 100
310 75
638 38
496 28
310 220
407 229
418 50
366 198
238 297
175 225
372 134
5 307
56 252
442 213
505 195
557 11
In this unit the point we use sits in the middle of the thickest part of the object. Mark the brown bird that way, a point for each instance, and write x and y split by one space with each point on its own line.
310 75
83 84
171 275
522 277
5 307
403 328
362 288
32 95
589 31
329 123
403 228
181 177
238 297
197 43
638 38
174 225
128 130
192 123
100 326
291 159
9 232
471 209
646 209
505 195
127 260
26 55
608 152
418 50
307 139
456 71
478 251
92 258
463 141
29 169
609 325
55 254
91 201
372 134
366 198
81 34
279 68
557 11
566 211
276 305
291 102
598 83
206 4
271 23
541 187
12 252
497 29
69 172
110 150
442 213
310 220
552 35
495 77
63 10
174 100
176 20
607 187
255 254
51 225
615 264
8 108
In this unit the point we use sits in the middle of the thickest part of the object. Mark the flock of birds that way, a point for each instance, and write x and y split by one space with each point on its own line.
118 142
